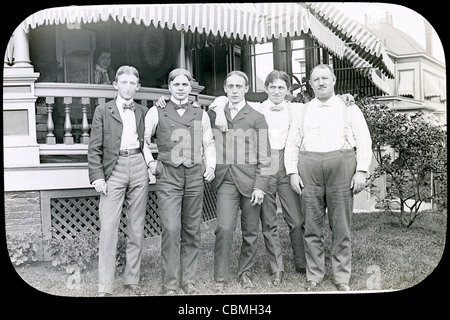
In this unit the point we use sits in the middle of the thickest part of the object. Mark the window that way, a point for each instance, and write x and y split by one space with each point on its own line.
261 56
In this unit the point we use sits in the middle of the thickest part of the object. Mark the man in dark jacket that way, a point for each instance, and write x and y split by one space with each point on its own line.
118 171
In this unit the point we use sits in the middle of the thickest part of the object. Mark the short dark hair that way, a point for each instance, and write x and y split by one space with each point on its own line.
236 73
98 52
178 72
275 75
127 70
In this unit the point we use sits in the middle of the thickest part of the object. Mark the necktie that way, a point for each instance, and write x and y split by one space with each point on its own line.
232 107
276 107
181 106
130 106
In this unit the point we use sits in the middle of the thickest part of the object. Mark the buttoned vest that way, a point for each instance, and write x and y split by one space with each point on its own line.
179 138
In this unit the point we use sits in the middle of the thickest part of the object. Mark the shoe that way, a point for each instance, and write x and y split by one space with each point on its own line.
190 288
170 292
219 287
246 283
311 285
135 289
343 287
300 270
104 294
277 278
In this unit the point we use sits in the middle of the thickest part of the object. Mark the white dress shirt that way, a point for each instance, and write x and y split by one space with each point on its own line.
130 139
324 131
278 121
209 147
238 106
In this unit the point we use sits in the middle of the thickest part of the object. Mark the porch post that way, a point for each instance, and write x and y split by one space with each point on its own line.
21 49
181 59
19 104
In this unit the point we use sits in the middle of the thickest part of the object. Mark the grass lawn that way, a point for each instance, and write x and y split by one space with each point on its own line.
400 260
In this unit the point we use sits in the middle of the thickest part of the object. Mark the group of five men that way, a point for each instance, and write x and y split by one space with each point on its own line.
249 152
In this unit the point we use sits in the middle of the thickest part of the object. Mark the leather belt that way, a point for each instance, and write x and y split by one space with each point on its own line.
129 152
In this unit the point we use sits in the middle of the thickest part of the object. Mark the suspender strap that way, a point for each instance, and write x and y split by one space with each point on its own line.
346 126
301 129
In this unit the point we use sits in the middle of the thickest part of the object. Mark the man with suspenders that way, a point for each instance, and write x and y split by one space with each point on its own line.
327 156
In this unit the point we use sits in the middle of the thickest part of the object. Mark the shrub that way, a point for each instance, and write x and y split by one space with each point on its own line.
417 167
79 252
22 247
70 252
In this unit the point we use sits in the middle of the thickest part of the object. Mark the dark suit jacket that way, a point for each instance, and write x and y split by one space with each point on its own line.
244 150
106 135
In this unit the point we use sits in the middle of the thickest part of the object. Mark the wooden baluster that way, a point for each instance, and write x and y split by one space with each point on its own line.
68 138
84 123
50 138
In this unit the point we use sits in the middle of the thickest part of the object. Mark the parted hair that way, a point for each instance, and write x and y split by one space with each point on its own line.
178 72
236 73
127 70
275 75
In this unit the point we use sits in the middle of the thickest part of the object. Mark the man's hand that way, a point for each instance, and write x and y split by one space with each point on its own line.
100 186
152 166
209 174
358 182
257 197
297 183
161 103
347 98
218 106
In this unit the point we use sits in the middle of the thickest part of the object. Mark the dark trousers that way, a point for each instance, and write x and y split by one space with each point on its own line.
128 180
229 199
180 206
327 177
290 203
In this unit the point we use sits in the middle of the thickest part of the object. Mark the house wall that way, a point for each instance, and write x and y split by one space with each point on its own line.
23 215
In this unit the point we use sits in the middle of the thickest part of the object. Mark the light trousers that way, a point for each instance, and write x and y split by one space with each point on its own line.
128 181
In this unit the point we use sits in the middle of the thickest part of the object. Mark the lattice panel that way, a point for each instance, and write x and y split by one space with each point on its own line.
71 215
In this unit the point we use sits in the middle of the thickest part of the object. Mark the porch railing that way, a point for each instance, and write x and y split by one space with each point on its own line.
77 102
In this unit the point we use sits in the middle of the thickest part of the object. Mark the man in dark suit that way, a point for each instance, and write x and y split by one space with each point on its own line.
118 171
242 177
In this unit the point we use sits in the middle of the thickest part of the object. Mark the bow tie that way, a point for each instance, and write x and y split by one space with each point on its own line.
276 108
130 106
181 106
233 107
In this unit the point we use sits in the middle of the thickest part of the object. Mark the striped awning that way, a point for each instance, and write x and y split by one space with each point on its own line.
283 19
432 87
356 36
235 21
255 23
364 68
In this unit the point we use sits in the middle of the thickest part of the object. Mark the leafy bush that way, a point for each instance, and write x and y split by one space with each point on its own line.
81 250
22 247
417 167
70 252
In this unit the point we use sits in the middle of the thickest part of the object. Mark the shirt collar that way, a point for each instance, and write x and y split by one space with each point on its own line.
267 103
177 102
240 105
328 103
120 101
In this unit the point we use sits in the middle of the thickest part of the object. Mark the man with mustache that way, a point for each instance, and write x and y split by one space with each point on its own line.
328 153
